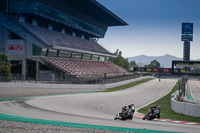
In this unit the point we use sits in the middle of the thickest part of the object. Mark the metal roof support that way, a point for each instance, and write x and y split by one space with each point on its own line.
7 8
19 10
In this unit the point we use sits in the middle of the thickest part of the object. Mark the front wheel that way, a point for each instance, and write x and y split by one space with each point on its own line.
158 116
150 117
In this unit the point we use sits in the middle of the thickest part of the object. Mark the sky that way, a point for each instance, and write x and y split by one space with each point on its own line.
154 27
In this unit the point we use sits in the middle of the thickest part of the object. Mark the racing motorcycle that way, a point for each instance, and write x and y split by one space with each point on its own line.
152 113
126 114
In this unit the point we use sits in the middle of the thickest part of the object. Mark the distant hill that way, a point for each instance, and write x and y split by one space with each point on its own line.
165 61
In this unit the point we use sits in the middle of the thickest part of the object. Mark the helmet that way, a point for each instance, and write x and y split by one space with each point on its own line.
129 106
132 105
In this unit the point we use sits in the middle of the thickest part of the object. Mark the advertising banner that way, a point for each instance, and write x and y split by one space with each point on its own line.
15 47
148 69
183 70
187 28
166 70
187 38
155 69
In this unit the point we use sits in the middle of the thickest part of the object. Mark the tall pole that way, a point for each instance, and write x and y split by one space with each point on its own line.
186 51
7 8
187 37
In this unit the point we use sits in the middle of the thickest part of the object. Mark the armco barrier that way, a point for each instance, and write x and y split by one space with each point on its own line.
189 109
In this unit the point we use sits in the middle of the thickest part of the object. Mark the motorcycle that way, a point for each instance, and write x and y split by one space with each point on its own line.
126 114
152 113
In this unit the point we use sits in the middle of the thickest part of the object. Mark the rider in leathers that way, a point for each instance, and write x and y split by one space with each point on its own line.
128 112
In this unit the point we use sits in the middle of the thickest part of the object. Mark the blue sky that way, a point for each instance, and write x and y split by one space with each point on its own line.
154 27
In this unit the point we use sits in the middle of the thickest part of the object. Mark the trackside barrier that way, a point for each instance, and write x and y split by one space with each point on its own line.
189 109
68 86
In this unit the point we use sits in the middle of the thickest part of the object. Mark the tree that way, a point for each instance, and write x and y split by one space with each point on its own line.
120 61
153 64
132 64
4 60
5 67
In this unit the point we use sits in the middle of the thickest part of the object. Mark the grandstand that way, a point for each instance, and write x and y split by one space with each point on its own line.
55 40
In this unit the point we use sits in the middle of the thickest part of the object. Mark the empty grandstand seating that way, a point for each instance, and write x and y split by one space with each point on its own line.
84 68
53 38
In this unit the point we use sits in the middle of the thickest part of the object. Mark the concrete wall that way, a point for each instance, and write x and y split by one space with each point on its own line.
28 48
185 108
68 86
48 75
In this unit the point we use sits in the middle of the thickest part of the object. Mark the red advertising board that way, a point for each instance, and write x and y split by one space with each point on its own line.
166 70
155 69
15 47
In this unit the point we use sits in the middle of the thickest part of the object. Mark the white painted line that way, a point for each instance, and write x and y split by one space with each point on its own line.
156 99
162 120
5 101
176 121
190 123
197 84
191 91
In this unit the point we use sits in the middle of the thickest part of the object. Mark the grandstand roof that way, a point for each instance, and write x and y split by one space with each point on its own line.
98 11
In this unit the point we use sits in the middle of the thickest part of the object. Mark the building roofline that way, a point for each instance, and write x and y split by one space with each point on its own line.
109 12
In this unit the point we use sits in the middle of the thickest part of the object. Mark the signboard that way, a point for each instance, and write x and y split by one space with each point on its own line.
187 28
166 70
148 69
187 38
155 69
182 70
15 47
186 67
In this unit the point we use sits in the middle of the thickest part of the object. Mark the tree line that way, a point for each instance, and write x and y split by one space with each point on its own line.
124 63
5 74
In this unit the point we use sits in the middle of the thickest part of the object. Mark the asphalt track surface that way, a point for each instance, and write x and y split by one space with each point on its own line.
195 89
98 108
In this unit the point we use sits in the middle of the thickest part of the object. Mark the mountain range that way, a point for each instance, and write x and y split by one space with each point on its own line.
165 60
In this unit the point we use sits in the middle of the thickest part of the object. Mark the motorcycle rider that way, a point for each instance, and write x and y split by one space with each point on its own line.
153 112
156 107
124 108
128 112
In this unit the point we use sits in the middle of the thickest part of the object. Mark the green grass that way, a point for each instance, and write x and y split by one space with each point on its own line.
122 87
166 111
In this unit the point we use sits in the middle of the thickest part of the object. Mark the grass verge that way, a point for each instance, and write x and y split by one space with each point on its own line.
166 111
122 87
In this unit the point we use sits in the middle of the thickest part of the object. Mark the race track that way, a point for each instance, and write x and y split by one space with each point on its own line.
195 89
98 108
